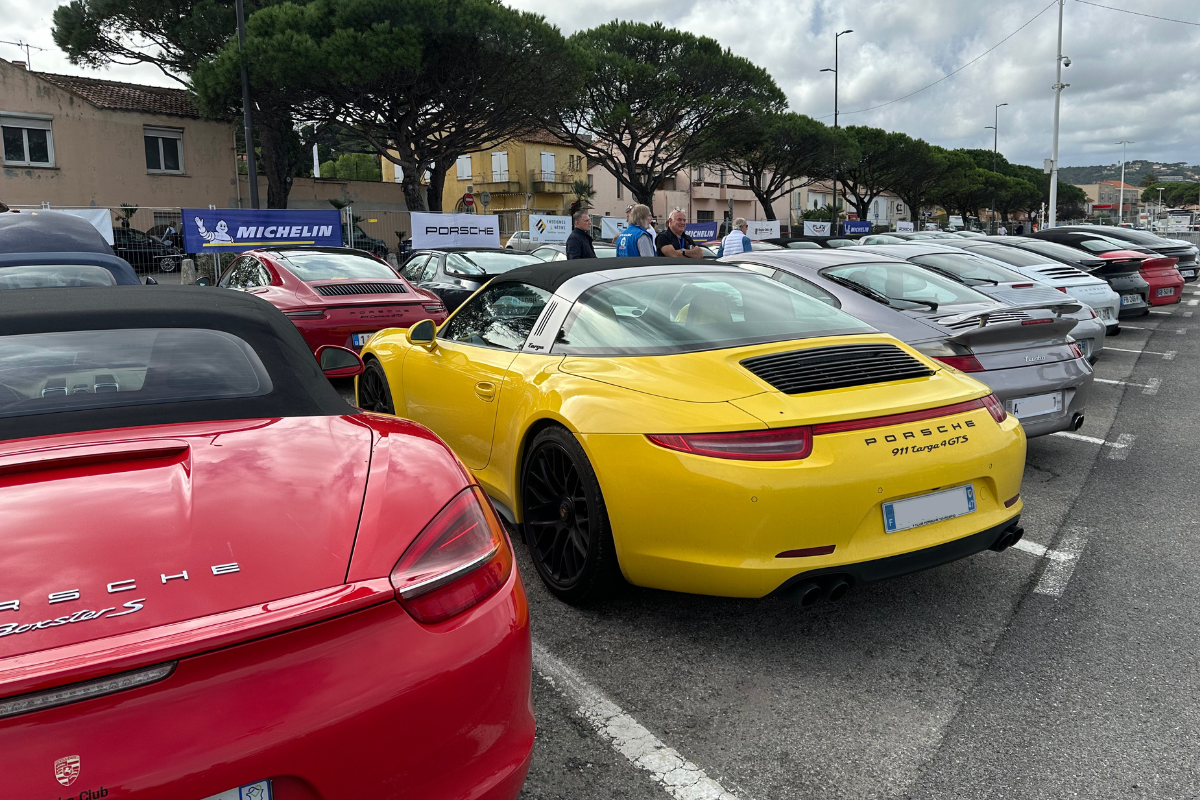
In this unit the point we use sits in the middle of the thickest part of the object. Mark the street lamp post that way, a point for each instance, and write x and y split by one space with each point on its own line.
834 214
995 145
1158 216
1121 206
1058 87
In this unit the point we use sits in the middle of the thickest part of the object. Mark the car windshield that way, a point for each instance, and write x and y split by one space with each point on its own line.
485 262
41 276
321 266
1102 244
662 315
803 246
546 253
605 252
971 269
1141 237
1009 255
43 373
764 246
840 242
907 283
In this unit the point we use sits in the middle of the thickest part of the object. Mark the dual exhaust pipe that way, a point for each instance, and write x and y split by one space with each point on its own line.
1077 422
826 587
1010 536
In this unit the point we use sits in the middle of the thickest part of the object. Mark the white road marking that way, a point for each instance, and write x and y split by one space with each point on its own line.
1167 356
1132 328
1120 448
680 778
1060 566
1147 388
1181 331
1193 302
1164 313
1151 386
1041 551
1188 313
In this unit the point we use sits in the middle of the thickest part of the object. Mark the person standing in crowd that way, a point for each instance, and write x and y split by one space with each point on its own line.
637 240
579 243
674 241
737 241
1003 231
628 211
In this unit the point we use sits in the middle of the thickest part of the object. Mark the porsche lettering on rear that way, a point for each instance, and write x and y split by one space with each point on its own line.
934 430
128 585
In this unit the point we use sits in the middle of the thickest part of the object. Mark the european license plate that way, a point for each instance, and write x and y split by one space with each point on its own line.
1166 291
361 338
1105 312
1130 299
251 791
928 508
1188 273
1035 406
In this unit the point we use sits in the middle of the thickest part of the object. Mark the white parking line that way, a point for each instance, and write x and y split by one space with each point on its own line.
1132 328
1193 302
1167 356
1187 313
1119 449
680 778
1164 313
1060 566
1151 387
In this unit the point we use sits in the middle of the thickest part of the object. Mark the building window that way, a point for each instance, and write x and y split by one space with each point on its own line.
591 185
164 149
464 168
704 216
28 141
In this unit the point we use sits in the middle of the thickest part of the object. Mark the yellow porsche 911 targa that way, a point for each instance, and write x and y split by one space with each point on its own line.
701 428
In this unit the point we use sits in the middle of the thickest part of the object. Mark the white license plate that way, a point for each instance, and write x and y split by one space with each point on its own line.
1166 291
1188 273
1035 406
361 338
251 791
1130 299
1104 312
928 508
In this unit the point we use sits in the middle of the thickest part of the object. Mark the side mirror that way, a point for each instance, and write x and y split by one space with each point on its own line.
339 362
150 281
203 280
422 334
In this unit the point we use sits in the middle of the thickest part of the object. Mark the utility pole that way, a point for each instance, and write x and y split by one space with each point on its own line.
833 229
995 145
1121 207
251 164
1058 87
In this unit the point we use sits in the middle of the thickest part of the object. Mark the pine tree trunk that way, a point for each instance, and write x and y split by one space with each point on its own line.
271 132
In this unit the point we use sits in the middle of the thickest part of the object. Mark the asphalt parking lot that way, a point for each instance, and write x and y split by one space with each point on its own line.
1062 668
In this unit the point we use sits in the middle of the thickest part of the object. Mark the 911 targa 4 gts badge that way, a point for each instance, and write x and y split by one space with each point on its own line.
66 769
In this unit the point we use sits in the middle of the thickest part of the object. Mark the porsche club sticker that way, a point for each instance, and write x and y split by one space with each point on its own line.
66 769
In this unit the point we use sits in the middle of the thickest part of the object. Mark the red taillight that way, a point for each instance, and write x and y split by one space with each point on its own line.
1012 501
962 363
1022 286
1076 350
784 444
1036 321
432 309
459 560
995 408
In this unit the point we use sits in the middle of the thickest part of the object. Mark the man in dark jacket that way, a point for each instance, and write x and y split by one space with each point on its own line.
579 243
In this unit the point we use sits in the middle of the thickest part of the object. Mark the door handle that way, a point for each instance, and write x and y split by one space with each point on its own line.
485 391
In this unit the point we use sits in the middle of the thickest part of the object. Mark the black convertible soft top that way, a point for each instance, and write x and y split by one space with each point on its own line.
72 240
298 386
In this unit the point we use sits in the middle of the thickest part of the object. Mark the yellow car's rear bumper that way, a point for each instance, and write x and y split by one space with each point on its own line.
715 526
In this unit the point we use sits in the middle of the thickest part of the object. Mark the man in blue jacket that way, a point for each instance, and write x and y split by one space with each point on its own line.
637 240
579 243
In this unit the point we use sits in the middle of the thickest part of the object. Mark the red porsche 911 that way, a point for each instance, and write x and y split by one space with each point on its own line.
334 295
219 580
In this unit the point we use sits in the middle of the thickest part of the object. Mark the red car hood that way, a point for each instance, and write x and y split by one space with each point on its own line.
116 531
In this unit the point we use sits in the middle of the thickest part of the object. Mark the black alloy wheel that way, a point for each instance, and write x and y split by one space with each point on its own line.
565 520
373 391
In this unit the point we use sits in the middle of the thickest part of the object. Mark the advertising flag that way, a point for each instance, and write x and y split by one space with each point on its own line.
454 230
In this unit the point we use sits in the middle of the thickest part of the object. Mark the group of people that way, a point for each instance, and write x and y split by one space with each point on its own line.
640 238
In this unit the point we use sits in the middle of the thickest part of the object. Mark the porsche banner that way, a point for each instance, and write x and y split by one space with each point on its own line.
232 230
454 230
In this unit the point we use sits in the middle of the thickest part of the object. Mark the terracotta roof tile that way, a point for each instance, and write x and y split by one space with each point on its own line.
126 96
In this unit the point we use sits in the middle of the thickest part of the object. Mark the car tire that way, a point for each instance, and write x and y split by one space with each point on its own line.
167 264
565 521
373 392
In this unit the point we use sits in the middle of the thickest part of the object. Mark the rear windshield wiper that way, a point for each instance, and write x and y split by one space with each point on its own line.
866 291
932 305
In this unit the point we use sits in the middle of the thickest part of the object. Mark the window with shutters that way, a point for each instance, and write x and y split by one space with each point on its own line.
164 149
464 168
27 140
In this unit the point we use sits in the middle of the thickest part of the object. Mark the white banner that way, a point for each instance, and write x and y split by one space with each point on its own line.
545 229
454 230
100 218
817 228
611 227
904 227
763 229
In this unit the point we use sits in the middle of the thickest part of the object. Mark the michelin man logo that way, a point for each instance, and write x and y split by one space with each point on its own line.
221 234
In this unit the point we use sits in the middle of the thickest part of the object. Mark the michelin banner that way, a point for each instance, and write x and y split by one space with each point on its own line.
701 231
232 230
545 229
454 230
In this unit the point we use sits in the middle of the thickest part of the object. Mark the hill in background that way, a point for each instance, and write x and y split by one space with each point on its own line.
1134 171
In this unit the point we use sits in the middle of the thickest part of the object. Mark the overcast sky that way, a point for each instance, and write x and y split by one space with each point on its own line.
1131 77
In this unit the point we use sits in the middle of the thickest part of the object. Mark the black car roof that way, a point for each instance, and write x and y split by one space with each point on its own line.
39 232
299 387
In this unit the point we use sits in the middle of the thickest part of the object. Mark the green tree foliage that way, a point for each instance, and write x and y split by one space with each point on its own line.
353 167
775 153
922 166
428 80
872 164
658 100
1175 195
1149 179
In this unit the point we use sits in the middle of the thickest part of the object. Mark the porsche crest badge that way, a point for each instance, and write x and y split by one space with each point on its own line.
66 769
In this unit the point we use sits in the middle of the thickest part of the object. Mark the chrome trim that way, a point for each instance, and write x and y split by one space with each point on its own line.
424 587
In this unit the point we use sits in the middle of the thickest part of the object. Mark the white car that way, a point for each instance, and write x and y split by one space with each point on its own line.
1085 288
519 241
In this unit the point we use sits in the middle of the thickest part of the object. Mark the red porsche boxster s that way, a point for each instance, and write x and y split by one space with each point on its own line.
334 295
219 580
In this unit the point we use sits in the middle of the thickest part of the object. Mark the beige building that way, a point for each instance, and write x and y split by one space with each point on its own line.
1105 197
